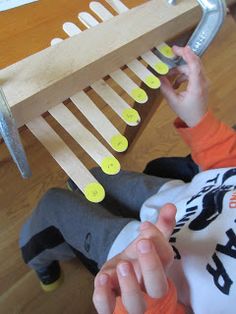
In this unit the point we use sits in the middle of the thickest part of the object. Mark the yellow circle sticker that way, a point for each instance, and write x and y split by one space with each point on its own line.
119 143
94 192
110 165
161 68
139 95
131 116
152 81
167 51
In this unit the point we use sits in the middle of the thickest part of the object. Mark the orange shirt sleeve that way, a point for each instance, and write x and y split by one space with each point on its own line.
166 305
213 144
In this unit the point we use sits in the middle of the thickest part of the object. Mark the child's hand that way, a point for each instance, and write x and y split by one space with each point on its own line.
132 272
191 104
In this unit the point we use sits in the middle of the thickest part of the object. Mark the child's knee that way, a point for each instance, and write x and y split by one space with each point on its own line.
51 196
52 193
96 172
53 200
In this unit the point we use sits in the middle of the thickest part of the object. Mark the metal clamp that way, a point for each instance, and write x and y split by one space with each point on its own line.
10 134
214 12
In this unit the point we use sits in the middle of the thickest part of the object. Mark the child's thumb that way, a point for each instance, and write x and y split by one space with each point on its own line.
168 91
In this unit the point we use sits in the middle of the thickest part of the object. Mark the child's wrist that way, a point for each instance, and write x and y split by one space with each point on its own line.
195 118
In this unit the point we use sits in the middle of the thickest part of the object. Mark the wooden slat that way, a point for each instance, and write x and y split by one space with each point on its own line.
116 102
104 90
81 135
149 57
41 81
100 122
91 112
135 65
67 160
121 78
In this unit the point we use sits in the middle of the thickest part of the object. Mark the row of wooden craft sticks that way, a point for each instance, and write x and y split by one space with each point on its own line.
59 150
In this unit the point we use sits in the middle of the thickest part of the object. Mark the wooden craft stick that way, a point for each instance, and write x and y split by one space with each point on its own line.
118 6
56 41
104 14
125 112
108 163
67 160
166 51
149 57
121 78
41 81
100 122
91 112
136 66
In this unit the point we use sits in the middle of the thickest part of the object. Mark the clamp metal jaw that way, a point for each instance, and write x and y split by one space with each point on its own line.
214 12
10 134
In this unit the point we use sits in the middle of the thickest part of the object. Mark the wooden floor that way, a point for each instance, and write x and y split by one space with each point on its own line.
19 288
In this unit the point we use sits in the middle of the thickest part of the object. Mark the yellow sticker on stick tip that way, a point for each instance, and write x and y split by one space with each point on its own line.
161 68
167 51
139 95
153 82
119 143
94 192
131 116
110 165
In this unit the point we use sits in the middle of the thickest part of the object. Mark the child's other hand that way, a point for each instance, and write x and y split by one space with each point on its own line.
141 267
190 105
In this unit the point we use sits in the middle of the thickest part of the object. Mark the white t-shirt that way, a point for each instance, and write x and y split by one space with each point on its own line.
204 239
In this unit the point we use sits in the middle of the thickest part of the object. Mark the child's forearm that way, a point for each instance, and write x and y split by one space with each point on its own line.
213 144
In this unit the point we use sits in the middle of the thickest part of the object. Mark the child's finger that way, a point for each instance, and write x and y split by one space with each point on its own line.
191 58
178 51
195 70
103 296
154 277
166 219
187 54
131 294
193 62
160 240
168 91
183 69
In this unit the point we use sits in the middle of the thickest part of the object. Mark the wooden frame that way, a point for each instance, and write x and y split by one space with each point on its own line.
38 83
41 81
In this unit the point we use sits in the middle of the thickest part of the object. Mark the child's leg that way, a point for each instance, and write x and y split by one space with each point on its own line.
128 189
181 168
65 224
64 220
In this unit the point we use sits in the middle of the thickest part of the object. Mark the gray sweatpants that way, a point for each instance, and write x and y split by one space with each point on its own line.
65 221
